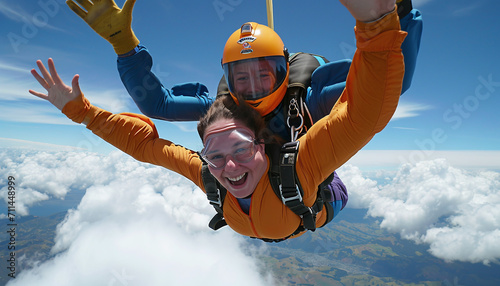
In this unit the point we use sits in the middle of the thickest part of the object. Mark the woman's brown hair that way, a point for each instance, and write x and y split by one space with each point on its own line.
224 107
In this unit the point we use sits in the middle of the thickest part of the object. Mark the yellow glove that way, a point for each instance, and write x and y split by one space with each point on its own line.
109 21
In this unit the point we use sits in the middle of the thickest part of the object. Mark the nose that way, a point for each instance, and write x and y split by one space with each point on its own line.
230 163
257 85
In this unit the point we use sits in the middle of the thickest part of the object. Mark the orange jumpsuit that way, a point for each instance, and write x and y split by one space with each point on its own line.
365 107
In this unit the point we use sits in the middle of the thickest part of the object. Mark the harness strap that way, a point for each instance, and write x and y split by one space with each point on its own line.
290 190
215 195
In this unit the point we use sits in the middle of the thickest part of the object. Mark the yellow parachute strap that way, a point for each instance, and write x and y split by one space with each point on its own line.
270 17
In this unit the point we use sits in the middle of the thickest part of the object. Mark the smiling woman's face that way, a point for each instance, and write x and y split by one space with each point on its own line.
254 79
226 139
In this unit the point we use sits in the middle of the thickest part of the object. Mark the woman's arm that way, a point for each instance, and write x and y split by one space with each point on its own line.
328 81
134 134
368 102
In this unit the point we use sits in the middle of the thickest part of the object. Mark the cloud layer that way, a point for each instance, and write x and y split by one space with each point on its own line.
143 225
136 225
456 212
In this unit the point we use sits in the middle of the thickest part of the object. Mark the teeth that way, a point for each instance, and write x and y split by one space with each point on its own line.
237 178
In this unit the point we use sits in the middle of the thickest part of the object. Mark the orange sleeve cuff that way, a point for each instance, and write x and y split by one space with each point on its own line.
77 109
369 36
80 110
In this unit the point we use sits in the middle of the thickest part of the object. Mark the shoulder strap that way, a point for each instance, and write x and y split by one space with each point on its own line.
286 186
215 195
302 66
290 190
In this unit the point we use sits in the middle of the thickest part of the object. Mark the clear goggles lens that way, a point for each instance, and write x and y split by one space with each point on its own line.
255 78
240 145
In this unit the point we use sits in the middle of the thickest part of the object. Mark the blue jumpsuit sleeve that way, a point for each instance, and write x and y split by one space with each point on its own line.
327 84
324 94
184 102
411 23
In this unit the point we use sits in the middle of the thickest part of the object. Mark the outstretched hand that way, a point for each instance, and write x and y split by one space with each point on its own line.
368 10
109 21
58 93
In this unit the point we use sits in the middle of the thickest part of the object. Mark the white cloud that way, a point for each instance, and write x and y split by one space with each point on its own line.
18 105
471 159
136 225
39 17
15 14
24 144
405 110
456 212
15 81
113 100
465 11
39 114
188 127
12 68
419 3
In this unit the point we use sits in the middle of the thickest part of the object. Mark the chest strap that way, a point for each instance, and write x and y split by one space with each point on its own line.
290 190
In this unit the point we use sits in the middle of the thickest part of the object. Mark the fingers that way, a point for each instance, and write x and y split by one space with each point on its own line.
39 94
77 9
46 76
53 72
48 80
76 86
40 80
128 6
57 92
86 4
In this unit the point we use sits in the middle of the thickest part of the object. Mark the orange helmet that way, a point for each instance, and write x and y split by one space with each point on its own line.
255 63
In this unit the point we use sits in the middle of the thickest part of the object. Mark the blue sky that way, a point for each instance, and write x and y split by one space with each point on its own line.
452 104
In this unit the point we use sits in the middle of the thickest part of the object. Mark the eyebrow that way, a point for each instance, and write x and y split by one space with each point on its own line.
241 73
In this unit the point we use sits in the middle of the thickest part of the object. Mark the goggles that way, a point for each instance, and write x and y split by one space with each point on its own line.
241 146
255 78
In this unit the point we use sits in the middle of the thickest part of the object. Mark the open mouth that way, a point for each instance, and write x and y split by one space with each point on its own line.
237 181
